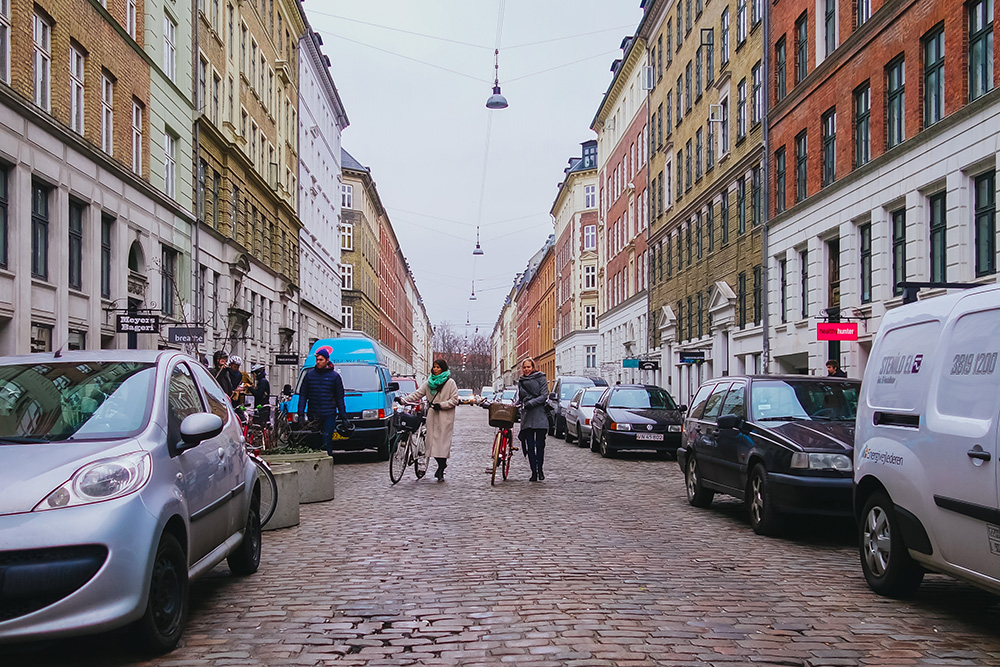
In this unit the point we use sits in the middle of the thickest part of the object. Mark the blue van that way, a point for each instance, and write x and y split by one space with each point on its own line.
368 391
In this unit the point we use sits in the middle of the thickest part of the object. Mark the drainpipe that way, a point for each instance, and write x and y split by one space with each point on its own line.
196 247
765 141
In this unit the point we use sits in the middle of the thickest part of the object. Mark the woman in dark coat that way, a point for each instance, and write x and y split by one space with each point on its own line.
532 392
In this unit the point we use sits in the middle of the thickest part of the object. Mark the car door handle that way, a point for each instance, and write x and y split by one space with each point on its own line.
979 454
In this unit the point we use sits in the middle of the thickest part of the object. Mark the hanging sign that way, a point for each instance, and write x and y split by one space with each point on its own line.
138 324
837 331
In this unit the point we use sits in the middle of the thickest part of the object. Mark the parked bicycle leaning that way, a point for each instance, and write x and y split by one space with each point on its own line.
532 392
442 399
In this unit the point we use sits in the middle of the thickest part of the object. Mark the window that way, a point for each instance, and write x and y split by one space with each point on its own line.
346 193
865 232
687 166
804 283
216 96
829 123
710 226
590 237
107 113
130 18
170 48
39 231
590 353
939 242
688 97
5 40
76 68
699 151
724 29
168 271
758 94
42 34
589 277
741 21
169 164
741 205
779 180
800 166
864 10
75 244
985 224
699 242
780 65
216 195
347 275
724 126
709 55
698 70
801 49
680 99
201 92
741 110
898 220
680 25
862 124
590 196
232 30
347 315
709 146
590 317
783 290
756 210
724 217
934 77
136 137
107 225
830 26
895 112
741 301
347 236
758 290
980 48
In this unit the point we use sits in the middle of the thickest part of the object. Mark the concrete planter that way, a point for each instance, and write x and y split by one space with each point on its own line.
287 512
315 474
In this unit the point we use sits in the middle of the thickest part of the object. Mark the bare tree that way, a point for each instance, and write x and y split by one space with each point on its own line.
468 358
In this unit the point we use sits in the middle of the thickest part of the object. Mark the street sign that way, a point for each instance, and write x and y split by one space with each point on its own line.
186 334
286 360
837 331
692 356
649 365
138 324
630 363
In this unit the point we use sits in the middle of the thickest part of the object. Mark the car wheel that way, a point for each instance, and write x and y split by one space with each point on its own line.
560 426
606 451
763 518
566 434
162 624
383 448
579 436
593 441
889 569
245 559
697 494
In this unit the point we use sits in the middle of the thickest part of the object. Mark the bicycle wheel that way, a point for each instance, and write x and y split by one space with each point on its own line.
497 443
420 459
400 457
268 490
508 452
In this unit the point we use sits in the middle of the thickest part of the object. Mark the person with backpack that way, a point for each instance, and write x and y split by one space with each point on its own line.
321 397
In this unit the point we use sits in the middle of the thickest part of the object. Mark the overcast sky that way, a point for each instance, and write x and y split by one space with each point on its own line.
414 76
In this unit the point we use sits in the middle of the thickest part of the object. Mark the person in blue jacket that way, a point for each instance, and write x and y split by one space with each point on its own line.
321 397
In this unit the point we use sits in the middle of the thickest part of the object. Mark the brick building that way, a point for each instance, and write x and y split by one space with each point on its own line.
884 134
535 313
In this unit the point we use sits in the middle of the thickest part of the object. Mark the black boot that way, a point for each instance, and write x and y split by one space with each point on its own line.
541 475
534 476
442 464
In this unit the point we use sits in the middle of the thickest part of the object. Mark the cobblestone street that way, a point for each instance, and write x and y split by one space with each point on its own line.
603 563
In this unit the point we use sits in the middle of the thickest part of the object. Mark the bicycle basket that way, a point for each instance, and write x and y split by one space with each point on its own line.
406 421
502 415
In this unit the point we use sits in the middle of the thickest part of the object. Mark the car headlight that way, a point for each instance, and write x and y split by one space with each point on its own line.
99 481
822 461
673 428
618 426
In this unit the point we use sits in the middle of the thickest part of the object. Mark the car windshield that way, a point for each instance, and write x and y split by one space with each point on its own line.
465 392
359 378
590 396
641 397
52 402
568 390
783 400
508 394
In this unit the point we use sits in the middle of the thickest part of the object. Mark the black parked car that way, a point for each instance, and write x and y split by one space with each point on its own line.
563 391
782 444
636 416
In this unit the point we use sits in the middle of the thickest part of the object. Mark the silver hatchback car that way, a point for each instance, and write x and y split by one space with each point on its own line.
124 476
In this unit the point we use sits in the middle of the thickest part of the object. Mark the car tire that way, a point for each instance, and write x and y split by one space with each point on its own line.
606 452
579 436
593 441
889 569
697 494
567 436
763 518
383 448
560 426
162 623
245 559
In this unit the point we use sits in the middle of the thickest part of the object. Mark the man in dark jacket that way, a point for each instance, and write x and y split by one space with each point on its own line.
261 396
322 397
834 370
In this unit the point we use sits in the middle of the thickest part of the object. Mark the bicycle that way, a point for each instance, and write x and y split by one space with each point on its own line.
408 445
254 436
502 416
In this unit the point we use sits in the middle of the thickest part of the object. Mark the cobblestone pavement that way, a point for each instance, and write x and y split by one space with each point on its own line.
603 563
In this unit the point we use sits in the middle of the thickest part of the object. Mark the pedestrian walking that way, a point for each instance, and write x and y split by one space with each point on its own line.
532 393
321 397
834 370
442 399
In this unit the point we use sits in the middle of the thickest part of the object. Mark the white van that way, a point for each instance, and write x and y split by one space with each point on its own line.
926 468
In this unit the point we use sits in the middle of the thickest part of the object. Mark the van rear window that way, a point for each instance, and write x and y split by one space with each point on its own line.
902 359
970 372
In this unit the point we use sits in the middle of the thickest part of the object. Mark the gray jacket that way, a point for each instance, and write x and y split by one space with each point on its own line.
532 392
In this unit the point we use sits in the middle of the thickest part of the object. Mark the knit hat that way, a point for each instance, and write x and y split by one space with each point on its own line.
323 352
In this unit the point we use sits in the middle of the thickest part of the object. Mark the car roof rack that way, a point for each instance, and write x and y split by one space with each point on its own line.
911 288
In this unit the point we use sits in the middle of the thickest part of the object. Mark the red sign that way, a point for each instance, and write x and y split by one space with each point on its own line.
837 331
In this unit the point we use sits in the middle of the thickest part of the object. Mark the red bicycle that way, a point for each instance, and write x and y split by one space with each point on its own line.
502 416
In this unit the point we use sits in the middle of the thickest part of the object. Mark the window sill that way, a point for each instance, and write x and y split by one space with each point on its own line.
801 324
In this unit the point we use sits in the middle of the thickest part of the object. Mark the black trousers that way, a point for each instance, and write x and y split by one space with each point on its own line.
534 445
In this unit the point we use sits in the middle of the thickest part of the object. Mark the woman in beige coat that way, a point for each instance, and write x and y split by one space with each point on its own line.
442 399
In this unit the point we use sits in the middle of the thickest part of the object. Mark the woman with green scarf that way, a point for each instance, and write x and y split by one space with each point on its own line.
441 393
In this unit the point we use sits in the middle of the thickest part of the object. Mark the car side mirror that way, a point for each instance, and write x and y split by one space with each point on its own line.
392 386
286 390
683 408
197 428
730 421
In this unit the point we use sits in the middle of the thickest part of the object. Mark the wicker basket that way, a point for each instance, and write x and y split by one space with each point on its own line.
502 415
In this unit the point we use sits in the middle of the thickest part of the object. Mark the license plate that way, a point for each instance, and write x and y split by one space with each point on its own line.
649 436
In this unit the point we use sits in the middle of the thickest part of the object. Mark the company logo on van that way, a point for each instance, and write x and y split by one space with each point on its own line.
899 364
882 458
327 349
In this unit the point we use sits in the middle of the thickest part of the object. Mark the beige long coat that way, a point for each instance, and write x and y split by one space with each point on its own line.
440 423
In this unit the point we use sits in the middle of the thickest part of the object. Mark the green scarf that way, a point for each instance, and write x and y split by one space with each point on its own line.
435 382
